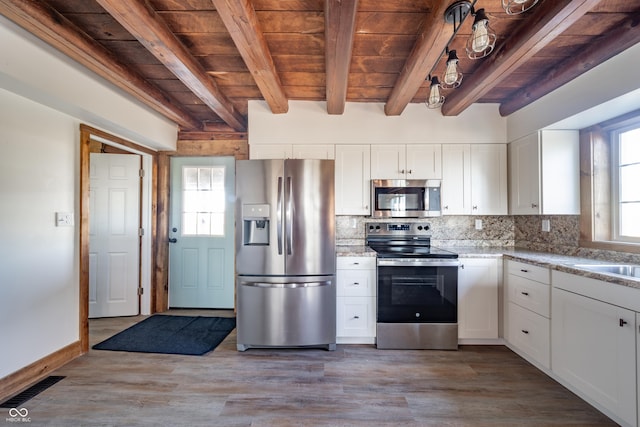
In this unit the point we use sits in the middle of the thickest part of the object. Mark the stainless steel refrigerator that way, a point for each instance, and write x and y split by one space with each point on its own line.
285 253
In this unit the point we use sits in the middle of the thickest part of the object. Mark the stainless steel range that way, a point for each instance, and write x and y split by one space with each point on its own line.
417 288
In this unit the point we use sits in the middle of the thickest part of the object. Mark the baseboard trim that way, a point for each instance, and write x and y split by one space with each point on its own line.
30 374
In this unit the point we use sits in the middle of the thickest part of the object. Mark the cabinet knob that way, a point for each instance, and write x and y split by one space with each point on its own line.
623 322
526 294
402 171
524 331
534 205
475 207
410 171
446 207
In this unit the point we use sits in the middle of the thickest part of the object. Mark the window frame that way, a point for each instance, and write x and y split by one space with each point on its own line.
596 180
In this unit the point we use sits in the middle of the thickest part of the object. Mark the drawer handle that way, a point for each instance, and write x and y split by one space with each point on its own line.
356 317
356 263
356 283
524 331
524 271
623 322
526 294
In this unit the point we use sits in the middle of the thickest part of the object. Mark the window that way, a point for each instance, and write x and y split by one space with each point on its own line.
203 201
626 184
610 190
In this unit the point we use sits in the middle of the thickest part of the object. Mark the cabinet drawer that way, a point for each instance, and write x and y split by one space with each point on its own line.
356 317
356 262
356 283
529 294
529 332
533 272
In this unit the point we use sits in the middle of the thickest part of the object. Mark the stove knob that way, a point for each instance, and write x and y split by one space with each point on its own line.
377 227
419 227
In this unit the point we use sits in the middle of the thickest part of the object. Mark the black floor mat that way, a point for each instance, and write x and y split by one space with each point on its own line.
20 398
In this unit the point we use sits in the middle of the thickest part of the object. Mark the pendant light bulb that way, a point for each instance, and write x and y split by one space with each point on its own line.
452 75
516 7
482 39
435 99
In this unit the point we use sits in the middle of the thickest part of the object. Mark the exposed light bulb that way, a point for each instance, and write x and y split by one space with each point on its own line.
452 75
435 99
515 7
480 37
483 39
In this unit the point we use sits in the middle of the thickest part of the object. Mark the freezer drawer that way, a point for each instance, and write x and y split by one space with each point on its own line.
286 312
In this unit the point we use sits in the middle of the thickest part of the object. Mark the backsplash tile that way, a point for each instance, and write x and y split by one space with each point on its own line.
521 231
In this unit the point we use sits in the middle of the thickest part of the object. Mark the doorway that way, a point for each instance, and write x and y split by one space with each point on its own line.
148 159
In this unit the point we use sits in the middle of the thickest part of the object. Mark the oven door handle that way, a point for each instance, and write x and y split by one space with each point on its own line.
418 262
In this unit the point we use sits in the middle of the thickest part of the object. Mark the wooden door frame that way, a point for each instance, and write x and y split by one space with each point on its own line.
86 134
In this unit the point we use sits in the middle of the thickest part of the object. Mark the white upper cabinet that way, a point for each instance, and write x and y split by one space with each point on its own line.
544 174
399 161
352 183
292 151
474 179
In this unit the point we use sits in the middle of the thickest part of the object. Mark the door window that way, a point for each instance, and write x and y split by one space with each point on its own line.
203 201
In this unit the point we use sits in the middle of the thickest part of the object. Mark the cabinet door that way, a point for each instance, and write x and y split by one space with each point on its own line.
524 176
478 298
593 348
488 179
456 179
270 151
560 165
388 161
314 151
424 161
352 180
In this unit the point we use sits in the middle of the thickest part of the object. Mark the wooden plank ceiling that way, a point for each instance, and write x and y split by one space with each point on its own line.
198 62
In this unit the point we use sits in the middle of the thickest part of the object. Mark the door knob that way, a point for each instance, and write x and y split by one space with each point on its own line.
173 240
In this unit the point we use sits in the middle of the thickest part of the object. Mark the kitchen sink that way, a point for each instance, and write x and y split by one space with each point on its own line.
620 269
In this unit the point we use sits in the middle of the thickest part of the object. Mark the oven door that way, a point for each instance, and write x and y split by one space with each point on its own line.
417 291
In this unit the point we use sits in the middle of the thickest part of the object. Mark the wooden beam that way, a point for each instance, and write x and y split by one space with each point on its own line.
548 20
426 53
242 23
154 34
340 21
621 38
46 23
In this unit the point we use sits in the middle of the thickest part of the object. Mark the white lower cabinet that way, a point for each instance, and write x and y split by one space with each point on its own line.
478 281
356 300
593 344
528 310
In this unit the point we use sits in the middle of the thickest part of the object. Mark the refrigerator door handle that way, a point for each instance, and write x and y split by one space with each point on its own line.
289 217
289 285
279 216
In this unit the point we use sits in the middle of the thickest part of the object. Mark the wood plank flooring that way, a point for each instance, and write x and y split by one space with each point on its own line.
356 385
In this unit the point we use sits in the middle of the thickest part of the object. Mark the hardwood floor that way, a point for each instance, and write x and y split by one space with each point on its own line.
356 385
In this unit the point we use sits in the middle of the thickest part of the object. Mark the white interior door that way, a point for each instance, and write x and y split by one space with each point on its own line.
114 241
201 232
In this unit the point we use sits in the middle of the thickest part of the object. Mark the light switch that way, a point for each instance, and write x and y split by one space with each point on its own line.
64 219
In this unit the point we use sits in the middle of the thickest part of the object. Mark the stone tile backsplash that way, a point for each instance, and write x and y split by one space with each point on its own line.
521 231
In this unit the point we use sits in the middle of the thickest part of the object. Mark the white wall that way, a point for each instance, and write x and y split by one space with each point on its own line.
35 70
366 123
39 165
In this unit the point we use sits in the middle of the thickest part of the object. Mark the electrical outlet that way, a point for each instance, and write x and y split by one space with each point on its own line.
546 225
478 224
64 219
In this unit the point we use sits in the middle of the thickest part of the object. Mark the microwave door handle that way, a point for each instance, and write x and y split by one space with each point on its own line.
279 216
289 216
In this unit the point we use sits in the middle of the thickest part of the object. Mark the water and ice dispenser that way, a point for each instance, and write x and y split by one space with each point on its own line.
255 223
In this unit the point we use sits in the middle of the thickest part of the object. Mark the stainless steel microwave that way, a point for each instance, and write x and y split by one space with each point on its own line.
405 198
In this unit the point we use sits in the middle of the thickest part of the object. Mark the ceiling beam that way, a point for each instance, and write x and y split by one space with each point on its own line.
548 20
625 35
339 29
154 34
46 23
241 21
426 53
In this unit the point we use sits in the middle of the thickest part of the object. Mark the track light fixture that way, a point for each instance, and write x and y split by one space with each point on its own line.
516 7
452 76
435 99
483 38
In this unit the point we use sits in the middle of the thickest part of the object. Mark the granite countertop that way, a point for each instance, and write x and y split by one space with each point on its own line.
565 263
